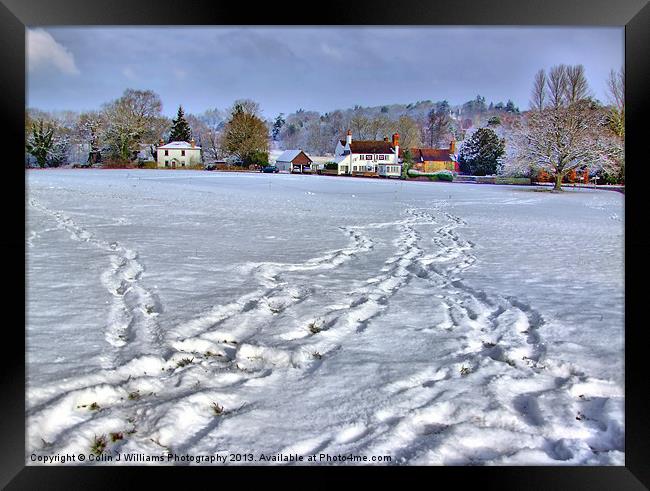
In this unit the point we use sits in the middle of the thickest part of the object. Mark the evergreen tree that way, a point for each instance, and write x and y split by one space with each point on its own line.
407 163
494 121
180 131
41 142
511 108
245 136
482 153
277 126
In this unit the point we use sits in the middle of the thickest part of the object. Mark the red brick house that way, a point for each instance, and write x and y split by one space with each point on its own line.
434 159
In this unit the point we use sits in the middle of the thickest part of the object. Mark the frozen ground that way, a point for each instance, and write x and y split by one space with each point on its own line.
435 323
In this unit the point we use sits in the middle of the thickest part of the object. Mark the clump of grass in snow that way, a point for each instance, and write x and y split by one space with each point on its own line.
317 355
99 445
134 396
314 328
218 410
116 436
209 354
184 362
94 407
465 370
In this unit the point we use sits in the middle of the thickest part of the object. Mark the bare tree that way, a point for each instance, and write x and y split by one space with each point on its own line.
616 95
247 106
438 125
409 132
538 96
359 124
558 140
556 86
132 119
577 87
565 133
378 127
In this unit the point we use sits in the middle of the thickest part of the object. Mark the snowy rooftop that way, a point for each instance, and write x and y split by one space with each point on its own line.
179 145
288 155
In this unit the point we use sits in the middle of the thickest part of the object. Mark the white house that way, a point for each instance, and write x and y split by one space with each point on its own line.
368 157
178 154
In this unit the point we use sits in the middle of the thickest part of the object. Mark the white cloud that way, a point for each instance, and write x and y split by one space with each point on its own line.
44 52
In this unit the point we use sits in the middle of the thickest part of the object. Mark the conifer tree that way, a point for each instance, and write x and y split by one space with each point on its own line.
41 143
180 131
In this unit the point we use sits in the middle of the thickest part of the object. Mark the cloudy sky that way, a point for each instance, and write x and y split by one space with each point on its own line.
320 68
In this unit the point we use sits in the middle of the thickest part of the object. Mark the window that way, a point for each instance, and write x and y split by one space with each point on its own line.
360 157
381 157
183 163
166 153
368 157
166 163
368 167
182 153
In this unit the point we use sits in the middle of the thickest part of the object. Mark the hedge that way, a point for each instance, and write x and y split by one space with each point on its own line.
442 175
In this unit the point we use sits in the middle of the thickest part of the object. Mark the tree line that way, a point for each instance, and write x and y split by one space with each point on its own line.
133 124
566 129
125 127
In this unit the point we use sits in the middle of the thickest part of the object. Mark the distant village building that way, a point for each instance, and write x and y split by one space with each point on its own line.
178 154
294 161
368 157
434 159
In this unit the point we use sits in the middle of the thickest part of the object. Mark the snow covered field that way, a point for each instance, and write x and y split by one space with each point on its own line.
210 314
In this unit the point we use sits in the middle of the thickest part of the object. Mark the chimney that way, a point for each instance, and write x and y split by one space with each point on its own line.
396 146
348 138
452 146
161 142
192 142
385 138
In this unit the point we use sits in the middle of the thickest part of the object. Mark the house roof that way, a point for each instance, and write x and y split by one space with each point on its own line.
371 146
438 154
429 154
289 155
181 145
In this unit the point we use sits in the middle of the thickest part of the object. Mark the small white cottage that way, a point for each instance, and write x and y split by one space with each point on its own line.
176 155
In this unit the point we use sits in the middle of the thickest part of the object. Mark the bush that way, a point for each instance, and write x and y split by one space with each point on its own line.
257 158
512 180
331 166
148 165
118 164
442 175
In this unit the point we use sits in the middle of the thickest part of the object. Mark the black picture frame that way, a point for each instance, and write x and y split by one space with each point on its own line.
15 15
